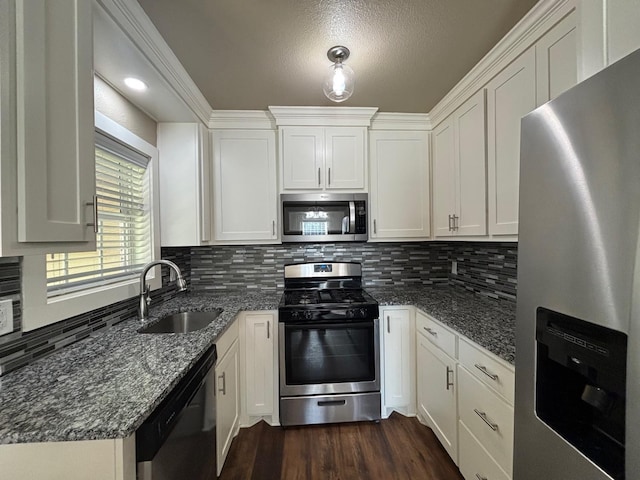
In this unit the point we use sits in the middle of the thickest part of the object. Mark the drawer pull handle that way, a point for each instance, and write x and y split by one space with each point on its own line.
484 370
483 416
431 332
480 477
449 383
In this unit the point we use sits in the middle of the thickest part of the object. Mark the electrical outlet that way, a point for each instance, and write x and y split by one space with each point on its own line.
454 267
6 317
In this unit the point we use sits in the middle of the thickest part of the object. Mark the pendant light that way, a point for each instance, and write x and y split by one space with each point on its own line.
338 85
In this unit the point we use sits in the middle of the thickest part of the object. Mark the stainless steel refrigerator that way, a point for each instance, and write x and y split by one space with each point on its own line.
578 309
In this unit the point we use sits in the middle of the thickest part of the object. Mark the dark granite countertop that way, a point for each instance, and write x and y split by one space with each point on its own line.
489 323
106 386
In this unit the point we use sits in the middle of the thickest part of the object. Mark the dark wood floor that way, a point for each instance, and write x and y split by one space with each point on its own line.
396 448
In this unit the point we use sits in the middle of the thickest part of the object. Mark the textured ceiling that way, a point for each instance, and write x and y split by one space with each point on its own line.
406 54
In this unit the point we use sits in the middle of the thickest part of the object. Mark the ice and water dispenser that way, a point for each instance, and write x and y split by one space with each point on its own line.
581 384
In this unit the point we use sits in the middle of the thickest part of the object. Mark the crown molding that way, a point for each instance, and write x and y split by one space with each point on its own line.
401 121
323 116
134 22
544 15
242 119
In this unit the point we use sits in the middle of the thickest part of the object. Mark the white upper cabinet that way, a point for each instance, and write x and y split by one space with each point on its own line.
46 85
608 31
318 158
323 148
510 95
557 60
459 165
185 184
244 172
399 200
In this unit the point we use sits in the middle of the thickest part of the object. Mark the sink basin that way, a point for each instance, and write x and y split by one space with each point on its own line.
184 322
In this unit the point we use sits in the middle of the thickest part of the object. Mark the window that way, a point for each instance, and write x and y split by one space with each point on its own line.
124 224
59 286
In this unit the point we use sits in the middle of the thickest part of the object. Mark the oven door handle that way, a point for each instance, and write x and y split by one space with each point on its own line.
352 217
328 326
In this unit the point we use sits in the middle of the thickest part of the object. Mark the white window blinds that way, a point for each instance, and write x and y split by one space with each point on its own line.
124 239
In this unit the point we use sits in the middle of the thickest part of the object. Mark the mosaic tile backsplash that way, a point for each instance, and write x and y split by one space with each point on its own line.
485 268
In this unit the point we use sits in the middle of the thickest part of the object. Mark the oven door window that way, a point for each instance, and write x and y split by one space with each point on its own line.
329 353
310 218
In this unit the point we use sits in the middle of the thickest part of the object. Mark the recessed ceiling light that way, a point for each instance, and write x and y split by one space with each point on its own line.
135 84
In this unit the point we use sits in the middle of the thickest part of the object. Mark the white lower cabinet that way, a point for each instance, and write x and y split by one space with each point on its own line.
78 460
486 417
227 392
436 384
260 358
475 462
398 359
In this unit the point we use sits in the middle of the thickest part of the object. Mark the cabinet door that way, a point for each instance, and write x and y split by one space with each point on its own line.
471 216
245 185
227 401
185 184
510 96
437 393
399 185
259 336
557 60
55 125
397 357
302 151
345 158
444 178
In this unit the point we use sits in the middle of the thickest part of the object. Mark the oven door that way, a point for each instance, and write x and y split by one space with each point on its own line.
328 358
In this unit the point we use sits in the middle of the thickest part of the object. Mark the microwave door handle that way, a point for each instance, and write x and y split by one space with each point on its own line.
352 217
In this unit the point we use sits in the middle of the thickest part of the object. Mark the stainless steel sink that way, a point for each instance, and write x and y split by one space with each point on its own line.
184 322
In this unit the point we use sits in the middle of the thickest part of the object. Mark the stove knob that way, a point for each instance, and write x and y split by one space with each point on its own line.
308 315
363 313
295 314
350 314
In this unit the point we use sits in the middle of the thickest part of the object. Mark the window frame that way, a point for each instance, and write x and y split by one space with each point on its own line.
40 310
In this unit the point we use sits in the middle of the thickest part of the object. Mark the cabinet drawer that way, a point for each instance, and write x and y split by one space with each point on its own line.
475 461
436 333
488 417
226 340
488 370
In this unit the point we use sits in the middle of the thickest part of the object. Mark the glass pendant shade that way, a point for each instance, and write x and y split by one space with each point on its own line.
339 82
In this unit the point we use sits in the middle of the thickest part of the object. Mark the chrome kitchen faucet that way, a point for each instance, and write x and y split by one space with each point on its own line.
145 289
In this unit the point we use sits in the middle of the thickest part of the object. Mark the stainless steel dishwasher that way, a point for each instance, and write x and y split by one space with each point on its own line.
178 440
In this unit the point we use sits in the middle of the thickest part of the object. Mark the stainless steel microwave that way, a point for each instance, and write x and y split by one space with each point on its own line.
324 217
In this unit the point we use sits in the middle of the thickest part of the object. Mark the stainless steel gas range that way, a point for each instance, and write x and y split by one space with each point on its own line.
329 346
